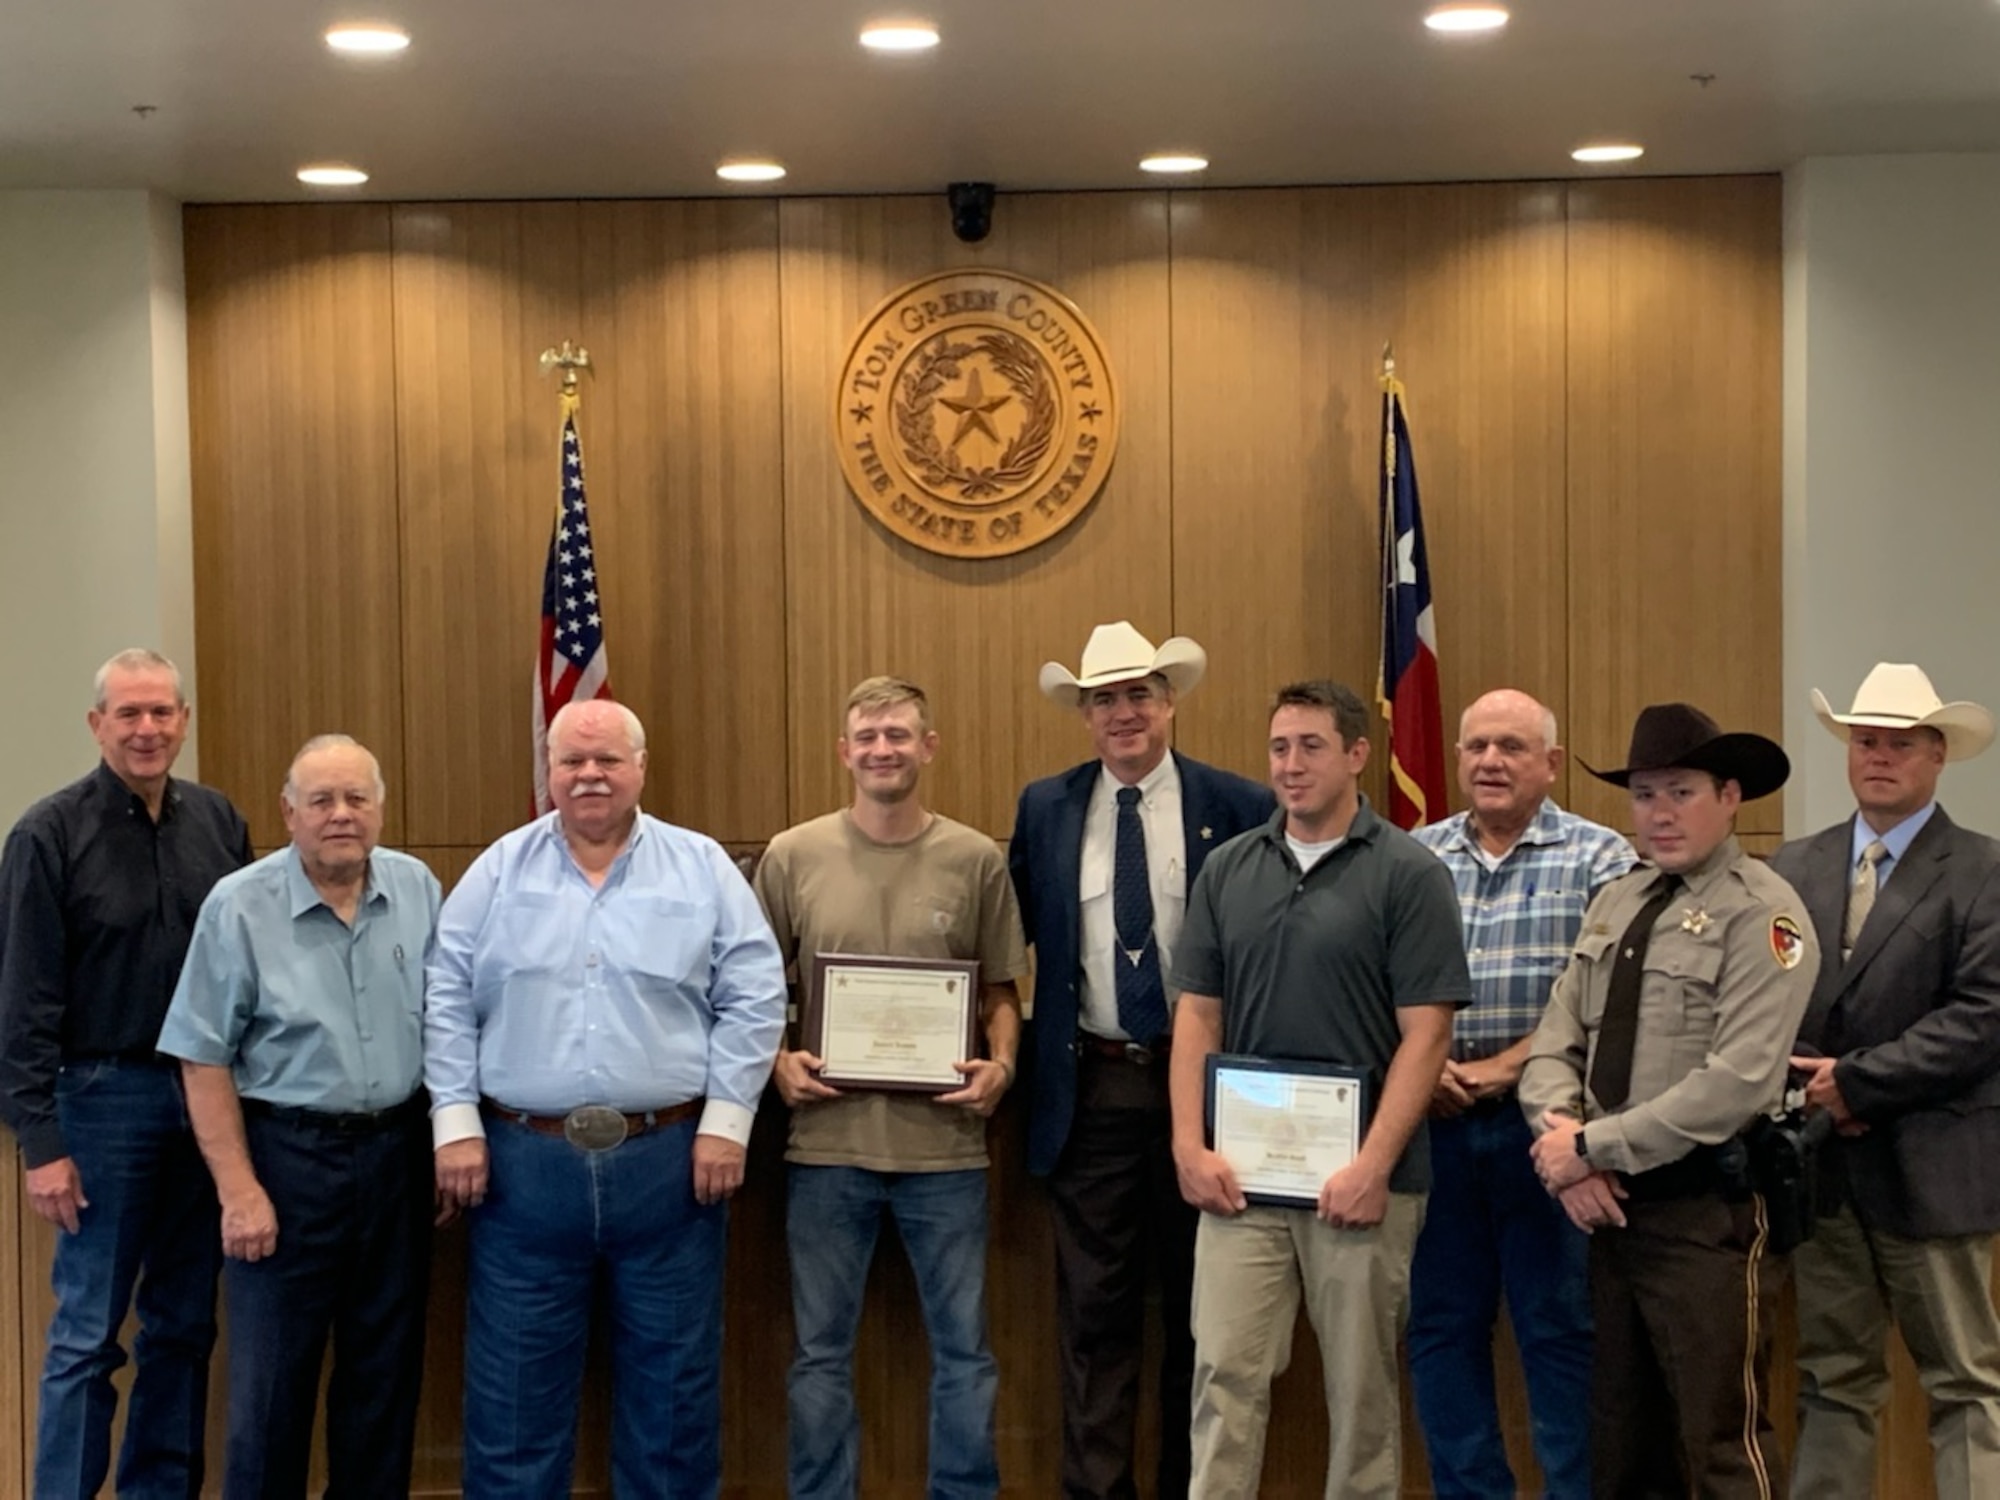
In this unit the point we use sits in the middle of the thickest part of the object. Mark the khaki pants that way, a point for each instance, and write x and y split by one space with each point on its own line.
1851 1281
1249 1274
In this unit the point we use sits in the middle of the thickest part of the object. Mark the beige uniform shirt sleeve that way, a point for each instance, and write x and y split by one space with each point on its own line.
1728 975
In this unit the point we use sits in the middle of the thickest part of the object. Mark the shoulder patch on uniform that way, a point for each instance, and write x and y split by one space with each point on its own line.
1788 943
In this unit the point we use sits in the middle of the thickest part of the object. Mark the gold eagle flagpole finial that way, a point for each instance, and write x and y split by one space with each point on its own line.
571 361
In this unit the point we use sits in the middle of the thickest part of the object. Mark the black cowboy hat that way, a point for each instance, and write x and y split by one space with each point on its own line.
1679 736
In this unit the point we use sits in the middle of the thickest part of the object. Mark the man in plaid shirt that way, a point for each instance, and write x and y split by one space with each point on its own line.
1525 871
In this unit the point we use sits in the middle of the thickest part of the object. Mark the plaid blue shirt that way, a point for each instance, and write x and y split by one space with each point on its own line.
1522 918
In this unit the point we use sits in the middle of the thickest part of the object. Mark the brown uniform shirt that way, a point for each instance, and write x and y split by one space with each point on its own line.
1728 973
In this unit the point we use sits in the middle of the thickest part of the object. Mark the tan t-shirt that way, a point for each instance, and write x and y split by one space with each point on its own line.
829 888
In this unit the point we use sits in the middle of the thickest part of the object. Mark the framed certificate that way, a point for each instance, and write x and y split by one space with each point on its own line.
891 1023
1283 1126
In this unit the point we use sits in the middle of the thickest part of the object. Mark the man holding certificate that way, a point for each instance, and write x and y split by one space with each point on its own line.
891 916
1321 956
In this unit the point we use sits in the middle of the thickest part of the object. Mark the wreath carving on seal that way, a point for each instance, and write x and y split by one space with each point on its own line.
933 367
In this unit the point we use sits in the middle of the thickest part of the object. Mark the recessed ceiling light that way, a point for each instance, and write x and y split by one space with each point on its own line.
1174 162
749 171
1463 18
899 36
333 175
368 39
1608 153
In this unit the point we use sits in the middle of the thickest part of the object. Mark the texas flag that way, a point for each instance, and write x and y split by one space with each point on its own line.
1409 684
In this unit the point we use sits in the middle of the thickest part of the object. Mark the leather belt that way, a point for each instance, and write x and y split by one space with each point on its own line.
1088 1044
359 1122
596 1127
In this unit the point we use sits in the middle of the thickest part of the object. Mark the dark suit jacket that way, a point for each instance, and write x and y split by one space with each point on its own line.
1046 857
1914 1017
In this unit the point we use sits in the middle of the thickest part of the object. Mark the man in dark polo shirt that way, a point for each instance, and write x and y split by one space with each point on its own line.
1327 936
99 888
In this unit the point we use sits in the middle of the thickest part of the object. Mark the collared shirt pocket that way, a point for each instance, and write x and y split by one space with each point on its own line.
1591 952
665 941
1681 985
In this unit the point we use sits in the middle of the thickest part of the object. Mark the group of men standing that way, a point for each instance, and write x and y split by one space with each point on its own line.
289 1069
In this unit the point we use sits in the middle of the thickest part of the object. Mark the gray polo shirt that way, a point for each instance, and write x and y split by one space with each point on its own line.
1314 966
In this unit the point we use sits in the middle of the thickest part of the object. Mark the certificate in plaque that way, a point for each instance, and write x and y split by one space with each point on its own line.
891 1023
1284 1127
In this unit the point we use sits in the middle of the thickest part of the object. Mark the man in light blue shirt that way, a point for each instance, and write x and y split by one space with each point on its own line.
298 1020
605 1003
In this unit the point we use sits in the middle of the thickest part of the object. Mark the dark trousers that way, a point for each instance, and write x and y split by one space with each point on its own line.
1680 1397
353 1260
1118 1214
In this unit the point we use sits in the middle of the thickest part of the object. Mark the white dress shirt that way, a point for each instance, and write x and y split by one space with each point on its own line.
1166 865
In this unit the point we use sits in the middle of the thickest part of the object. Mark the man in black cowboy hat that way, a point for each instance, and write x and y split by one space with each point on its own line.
1666 1036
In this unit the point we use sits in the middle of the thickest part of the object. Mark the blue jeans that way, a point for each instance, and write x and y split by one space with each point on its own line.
152 1222
1491 1226
560 1226
834 1216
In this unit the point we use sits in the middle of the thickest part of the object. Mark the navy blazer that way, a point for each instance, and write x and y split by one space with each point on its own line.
1046 858
1914 1017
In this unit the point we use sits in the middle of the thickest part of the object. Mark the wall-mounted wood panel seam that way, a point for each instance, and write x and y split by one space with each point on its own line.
786 395
400 780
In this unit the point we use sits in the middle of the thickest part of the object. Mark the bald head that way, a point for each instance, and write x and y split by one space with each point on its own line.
1508 759
596 716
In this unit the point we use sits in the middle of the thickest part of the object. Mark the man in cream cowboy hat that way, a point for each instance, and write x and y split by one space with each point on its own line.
1902 1045
1102 858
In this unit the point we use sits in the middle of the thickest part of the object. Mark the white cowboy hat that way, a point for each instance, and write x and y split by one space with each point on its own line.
1897 695
1118 653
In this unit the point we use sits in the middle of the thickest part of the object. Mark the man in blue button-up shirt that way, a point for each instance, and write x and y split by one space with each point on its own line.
299 1023
605 1003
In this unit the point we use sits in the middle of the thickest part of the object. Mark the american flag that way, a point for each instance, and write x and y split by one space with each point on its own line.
571 663
1409 684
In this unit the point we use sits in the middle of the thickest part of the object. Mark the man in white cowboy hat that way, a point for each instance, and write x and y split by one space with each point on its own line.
1663 1041
1901 1044
1102 857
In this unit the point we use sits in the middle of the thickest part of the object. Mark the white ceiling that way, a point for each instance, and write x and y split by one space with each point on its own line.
605 98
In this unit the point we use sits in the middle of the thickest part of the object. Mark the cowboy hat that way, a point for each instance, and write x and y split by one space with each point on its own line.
1897 695
1679 736
1118 653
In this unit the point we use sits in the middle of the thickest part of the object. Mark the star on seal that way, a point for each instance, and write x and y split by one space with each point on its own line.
1696 921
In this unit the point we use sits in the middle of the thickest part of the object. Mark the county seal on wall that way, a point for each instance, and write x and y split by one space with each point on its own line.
976 413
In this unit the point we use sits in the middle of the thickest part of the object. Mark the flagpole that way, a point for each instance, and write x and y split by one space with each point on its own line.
1391 389
570 663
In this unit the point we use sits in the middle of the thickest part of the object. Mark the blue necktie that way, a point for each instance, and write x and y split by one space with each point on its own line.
1142 998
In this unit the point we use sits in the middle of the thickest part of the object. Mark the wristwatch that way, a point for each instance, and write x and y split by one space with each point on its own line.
1582 1147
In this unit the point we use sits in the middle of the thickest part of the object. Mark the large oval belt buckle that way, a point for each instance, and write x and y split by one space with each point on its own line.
594 1127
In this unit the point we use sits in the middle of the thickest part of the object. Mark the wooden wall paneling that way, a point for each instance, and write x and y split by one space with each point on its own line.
292 389
686 481
480 290
1674 305
1282 303
974 633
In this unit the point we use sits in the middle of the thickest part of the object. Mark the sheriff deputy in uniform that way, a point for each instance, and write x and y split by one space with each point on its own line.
1663 1040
